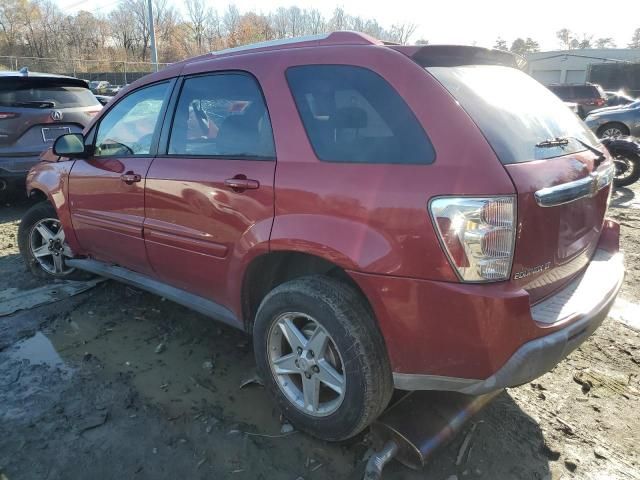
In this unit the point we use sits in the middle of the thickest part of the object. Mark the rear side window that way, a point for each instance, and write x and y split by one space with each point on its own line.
351 114
47 97
222 115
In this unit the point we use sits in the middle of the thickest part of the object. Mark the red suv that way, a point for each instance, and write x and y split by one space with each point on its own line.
376 216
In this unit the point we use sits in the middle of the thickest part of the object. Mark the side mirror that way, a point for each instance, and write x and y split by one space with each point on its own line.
70 145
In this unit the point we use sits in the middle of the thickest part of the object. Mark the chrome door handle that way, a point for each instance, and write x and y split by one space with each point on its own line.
130 178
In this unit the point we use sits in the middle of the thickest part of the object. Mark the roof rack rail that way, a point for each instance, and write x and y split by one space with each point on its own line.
324 39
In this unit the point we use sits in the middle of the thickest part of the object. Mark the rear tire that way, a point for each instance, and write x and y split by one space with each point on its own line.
42 261
630 176
613 130
354 353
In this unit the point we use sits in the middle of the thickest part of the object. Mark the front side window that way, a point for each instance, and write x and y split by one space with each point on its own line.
221 115
351 114
128 128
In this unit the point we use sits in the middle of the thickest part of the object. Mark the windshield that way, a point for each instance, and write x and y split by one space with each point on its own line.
514 112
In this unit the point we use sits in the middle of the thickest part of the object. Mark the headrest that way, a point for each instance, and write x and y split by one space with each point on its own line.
350 117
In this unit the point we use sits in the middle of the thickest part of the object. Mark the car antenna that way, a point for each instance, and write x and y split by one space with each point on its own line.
24 71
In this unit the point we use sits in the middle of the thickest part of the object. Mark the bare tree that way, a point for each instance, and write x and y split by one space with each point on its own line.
401 33
198 19
338 20
565 36
606 42
500 44
635 39
315 22
231 23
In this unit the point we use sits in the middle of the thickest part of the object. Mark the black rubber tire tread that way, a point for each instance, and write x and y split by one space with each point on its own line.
38 212
635 174
621 126
353 328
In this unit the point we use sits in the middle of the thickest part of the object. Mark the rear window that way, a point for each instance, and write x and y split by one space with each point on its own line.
351 114
585 91
47 97
564 93
514 111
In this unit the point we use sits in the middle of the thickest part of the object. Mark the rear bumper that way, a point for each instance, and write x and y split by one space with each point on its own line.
538 356
13 171
479 338
12 180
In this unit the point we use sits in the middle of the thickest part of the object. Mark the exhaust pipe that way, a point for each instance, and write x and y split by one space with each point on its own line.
419 423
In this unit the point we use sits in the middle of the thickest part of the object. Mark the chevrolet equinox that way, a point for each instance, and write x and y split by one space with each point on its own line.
376 216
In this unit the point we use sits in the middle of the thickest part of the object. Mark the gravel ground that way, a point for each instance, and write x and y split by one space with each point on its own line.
117 383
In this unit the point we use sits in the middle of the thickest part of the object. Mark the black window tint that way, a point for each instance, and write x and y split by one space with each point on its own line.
562 92
351 114
127 129
47 97
585 91
221 115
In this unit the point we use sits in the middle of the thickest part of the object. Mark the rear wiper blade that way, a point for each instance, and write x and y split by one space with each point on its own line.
563 141
553 142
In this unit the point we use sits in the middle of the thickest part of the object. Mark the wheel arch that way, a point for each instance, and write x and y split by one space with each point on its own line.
267 271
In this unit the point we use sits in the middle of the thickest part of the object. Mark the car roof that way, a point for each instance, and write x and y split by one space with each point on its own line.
346 38
433 54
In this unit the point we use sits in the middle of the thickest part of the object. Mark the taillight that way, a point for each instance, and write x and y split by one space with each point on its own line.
478 235
5 115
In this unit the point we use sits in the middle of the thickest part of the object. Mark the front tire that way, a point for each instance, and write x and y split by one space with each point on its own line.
322 357
42 244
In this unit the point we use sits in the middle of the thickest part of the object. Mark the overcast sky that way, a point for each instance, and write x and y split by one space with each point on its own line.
460 22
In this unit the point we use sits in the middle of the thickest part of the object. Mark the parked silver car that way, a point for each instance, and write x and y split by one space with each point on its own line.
615 121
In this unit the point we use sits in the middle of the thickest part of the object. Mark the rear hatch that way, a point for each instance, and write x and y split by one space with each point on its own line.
562 185
34 111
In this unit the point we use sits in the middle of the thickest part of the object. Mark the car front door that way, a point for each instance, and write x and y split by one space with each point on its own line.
106 190
209 195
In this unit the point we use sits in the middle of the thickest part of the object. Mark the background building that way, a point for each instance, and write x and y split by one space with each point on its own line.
572 66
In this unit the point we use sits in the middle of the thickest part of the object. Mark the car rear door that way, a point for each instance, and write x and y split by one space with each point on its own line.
561 174
106 190
209 193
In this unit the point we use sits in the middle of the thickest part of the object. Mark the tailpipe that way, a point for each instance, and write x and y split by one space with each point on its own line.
419 423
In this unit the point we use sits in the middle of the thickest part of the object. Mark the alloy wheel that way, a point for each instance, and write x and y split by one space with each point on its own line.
612 132
49 248
306 364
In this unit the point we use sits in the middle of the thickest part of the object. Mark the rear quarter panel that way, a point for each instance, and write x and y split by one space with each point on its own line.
366 217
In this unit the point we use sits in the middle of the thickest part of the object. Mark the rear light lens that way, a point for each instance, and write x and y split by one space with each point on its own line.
478 234
6 115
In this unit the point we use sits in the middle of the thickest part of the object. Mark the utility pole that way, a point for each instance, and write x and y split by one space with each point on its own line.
152 34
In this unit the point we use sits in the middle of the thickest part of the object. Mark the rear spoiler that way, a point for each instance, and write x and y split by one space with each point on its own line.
15 82
456 55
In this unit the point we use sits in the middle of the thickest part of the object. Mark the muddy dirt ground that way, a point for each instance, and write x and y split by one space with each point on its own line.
117 383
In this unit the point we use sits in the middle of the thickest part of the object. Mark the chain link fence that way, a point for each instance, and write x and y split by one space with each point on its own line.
113 71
